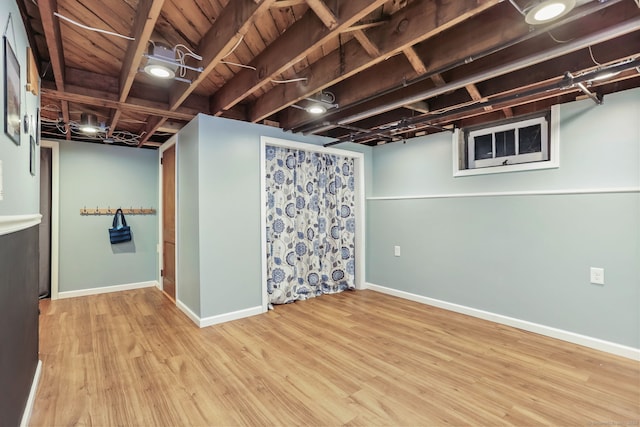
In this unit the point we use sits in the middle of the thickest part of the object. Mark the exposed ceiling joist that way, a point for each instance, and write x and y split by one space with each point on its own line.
418 21
466 44
101 99
145 20
366 43
386 62
225 33
415 60
302 37
324 13
51 28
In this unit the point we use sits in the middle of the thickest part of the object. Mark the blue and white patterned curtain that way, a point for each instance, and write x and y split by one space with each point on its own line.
310 224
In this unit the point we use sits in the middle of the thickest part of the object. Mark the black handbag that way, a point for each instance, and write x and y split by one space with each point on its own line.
120 231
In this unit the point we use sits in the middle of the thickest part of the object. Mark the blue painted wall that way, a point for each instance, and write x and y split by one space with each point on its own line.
18 249
97 175
526 257
224 155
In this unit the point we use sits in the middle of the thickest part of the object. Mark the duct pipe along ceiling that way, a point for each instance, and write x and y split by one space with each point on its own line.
626 27
568 81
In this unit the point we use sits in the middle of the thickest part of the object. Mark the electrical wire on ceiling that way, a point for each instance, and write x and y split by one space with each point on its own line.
556 40
86 27
251 67
119 136
299 79
181 57
235 46
593 59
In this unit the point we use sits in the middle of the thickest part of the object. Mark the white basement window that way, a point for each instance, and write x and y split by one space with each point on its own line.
515 145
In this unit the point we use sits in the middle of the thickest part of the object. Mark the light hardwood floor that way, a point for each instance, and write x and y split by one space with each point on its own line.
357 358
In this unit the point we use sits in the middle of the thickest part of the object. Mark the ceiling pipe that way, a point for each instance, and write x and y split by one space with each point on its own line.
583 88
595 38
568 81
315 127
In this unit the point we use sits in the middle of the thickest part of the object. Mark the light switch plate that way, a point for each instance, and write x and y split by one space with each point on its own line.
597 276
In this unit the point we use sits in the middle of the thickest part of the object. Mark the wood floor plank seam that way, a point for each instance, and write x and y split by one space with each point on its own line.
357 358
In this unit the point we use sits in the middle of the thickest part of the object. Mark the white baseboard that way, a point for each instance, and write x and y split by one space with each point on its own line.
26 415
107 289
595 343
190 314
220 318
234 315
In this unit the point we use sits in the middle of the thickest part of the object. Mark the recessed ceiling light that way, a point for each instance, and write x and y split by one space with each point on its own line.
161 62
548 10
160 71
316 109
89 123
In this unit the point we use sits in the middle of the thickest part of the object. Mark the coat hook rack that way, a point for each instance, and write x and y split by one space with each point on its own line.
112 211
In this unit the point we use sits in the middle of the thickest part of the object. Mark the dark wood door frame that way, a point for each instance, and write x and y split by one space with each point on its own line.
167 224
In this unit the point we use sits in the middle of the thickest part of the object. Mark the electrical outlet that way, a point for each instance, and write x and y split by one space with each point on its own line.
597 276
396 250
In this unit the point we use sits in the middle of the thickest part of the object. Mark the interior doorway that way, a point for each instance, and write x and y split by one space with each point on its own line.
168 224
49 191
46 163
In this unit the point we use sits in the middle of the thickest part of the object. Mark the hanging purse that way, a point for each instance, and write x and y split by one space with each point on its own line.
120 231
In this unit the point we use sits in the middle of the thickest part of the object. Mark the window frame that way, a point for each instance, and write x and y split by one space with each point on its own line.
519 162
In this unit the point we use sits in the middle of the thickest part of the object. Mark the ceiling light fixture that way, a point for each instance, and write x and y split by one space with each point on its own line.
169 63
319 104
161 62
316 109
548 10
89 123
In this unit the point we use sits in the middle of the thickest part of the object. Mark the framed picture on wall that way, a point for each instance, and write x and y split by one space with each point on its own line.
12 118
32 155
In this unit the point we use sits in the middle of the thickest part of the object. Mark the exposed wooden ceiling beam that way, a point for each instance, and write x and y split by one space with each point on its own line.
324 13
418 21
147 14
366 43
471 39
475 95
287 3
524 79
150 128
415 60
302 37
232 24
438 80
108 100
170 127
51 28
420 107
24 13
365 26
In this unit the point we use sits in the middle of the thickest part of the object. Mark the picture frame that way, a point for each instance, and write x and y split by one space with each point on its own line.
12 116
32 155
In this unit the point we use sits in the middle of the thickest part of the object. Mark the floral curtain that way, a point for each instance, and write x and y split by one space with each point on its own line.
310 224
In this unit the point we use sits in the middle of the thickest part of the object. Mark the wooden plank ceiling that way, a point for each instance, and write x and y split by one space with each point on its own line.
392 68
